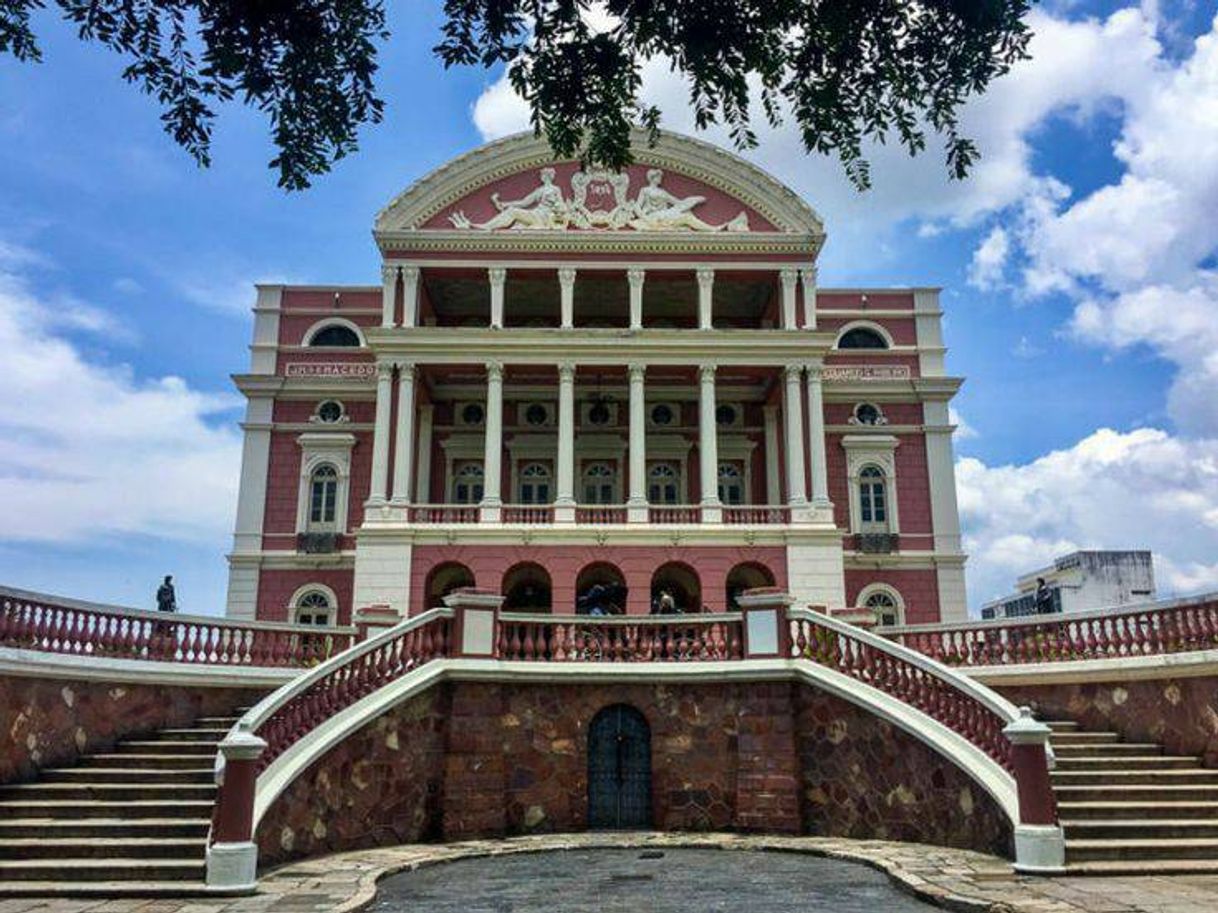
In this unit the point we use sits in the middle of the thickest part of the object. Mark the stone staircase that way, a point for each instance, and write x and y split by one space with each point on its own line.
133 820
1128 808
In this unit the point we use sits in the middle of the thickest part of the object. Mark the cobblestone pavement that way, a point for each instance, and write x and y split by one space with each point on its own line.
955 879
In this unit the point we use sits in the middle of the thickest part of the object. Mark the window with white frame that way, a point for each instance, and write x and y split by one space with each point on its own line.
325 481
467 483
600 484
663 484
313 607
886 605
534 484
871 464
731 484
873 499
323 497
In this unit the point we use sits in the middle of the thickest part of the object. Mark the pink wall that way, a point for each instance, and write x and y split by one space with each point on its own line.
275 589
919 589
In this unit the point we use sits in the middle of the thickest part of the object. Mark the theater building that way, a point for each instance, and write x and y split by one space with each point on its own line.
596 391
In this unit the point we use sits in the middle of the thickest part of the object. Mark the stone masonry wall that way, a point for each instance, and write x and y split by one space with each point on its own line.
467 760
51 722
1179 713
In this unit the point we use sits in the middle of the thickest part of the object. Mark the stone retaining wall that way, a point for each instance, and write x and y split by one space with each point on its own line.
467 760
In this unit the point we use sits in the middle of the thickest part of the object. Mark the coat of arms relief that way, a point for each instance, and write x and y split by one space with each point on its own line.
599 200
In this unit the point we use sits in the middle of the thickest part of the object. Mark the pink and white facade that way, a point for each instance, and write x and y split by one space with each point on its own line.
569 378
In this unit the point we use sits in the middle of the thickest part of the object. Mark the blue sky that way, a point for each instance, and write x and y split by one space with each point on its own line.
1078 267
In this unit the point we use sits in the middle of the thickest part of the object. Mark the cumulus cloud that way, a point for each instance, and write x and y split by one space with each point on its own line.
990 259
1138 489
89 449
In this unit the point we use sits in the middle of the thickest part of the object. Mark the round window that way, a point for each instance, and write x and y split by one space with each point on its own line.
726 415
536 414
599 414
472 414
330 411
867 414
662 415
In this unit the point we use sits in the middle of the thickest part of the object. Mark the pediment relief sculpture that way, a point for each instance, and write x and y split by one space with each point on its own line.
599 200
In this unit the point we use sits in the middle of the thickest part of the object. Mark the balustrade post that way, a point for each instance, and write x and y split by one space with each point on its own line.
232 857
372 619
767 633
1039 844
475 627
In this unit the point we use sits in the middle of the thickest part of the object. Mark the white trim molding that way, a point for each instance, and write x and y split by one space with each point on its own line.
863 450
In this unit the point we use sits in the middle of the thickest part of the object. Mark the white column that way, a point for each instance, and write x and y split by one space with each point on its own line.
789 277
403 446
422 473
498 276
808 277
793 421
564 495
706 295
636 506
566 285
389 294
379 489
635 276
708 446
493 451
410 296
773 482
816 438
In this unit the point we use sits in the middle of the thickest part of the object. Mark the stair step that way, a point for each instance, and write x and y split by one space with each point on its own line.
103 848
126 890
213 735
1141 849
13 828
109 870
72 809
1131 828
1083 738
1061 725
1109 810
217 722
1114 749
107 792
146 761
143 746
1136 793
1126 763
1192 776
1146 867
158 776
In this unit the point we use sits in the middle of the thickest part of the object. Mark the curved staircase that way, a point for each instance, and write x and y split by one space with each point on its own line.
1129 808
132 820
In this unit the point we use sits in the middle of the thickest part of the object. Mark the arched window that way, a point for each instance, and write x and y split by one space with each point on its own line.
443 579
747 576
663 482
731 484
323 495
600 484
313 607
535 484
886 606
467 483
873 499
675 590
862 338
335 335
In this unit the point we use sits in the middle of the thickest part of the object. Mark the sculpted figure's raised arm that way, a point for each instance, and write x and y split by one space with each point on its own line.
542 208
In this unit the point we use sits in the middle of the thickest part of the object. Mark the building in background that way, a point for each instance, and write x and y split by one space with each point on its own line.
1081 581
596 392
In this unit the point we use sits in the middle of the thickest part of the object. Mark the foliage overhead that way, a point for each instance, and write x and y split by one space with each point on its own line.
842 72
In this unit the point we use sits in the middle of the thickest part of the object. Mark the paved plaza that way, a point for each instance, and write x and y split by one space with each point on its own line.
604 872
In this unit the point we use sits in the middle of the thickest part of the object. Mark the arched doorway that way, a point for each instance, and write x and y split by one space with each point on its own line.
600 589
619 769
675 590
526 588
743 577
443 579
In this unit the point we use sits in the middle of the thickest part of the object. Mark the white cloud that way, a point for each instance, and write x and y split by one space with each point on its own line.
499 111
990 259
90 450
964 431
1140 489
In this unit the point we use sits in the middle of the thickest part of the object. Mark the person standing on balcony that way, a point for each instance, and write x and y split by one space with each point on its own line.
1044 598
166 598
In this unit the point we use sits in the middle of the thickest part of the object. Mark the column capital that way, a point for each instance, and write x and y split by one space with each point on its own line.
566 275
789 275
706 275
405 370
815 373
494 370
389 272
410 273
637 370
706 373
792 372
809 273
384 370
635 275
566 370
497 275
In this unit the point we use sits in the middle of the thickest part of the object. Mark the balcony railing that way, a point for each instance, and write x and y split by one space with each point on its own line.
32 621
756 515
603 514
444 513
622 639
600 514
531 514
673 514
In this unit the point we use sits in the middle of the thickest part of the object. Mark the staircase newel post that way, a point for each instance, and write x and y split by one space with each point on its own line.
475 625
766 629
232 854
1040 846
